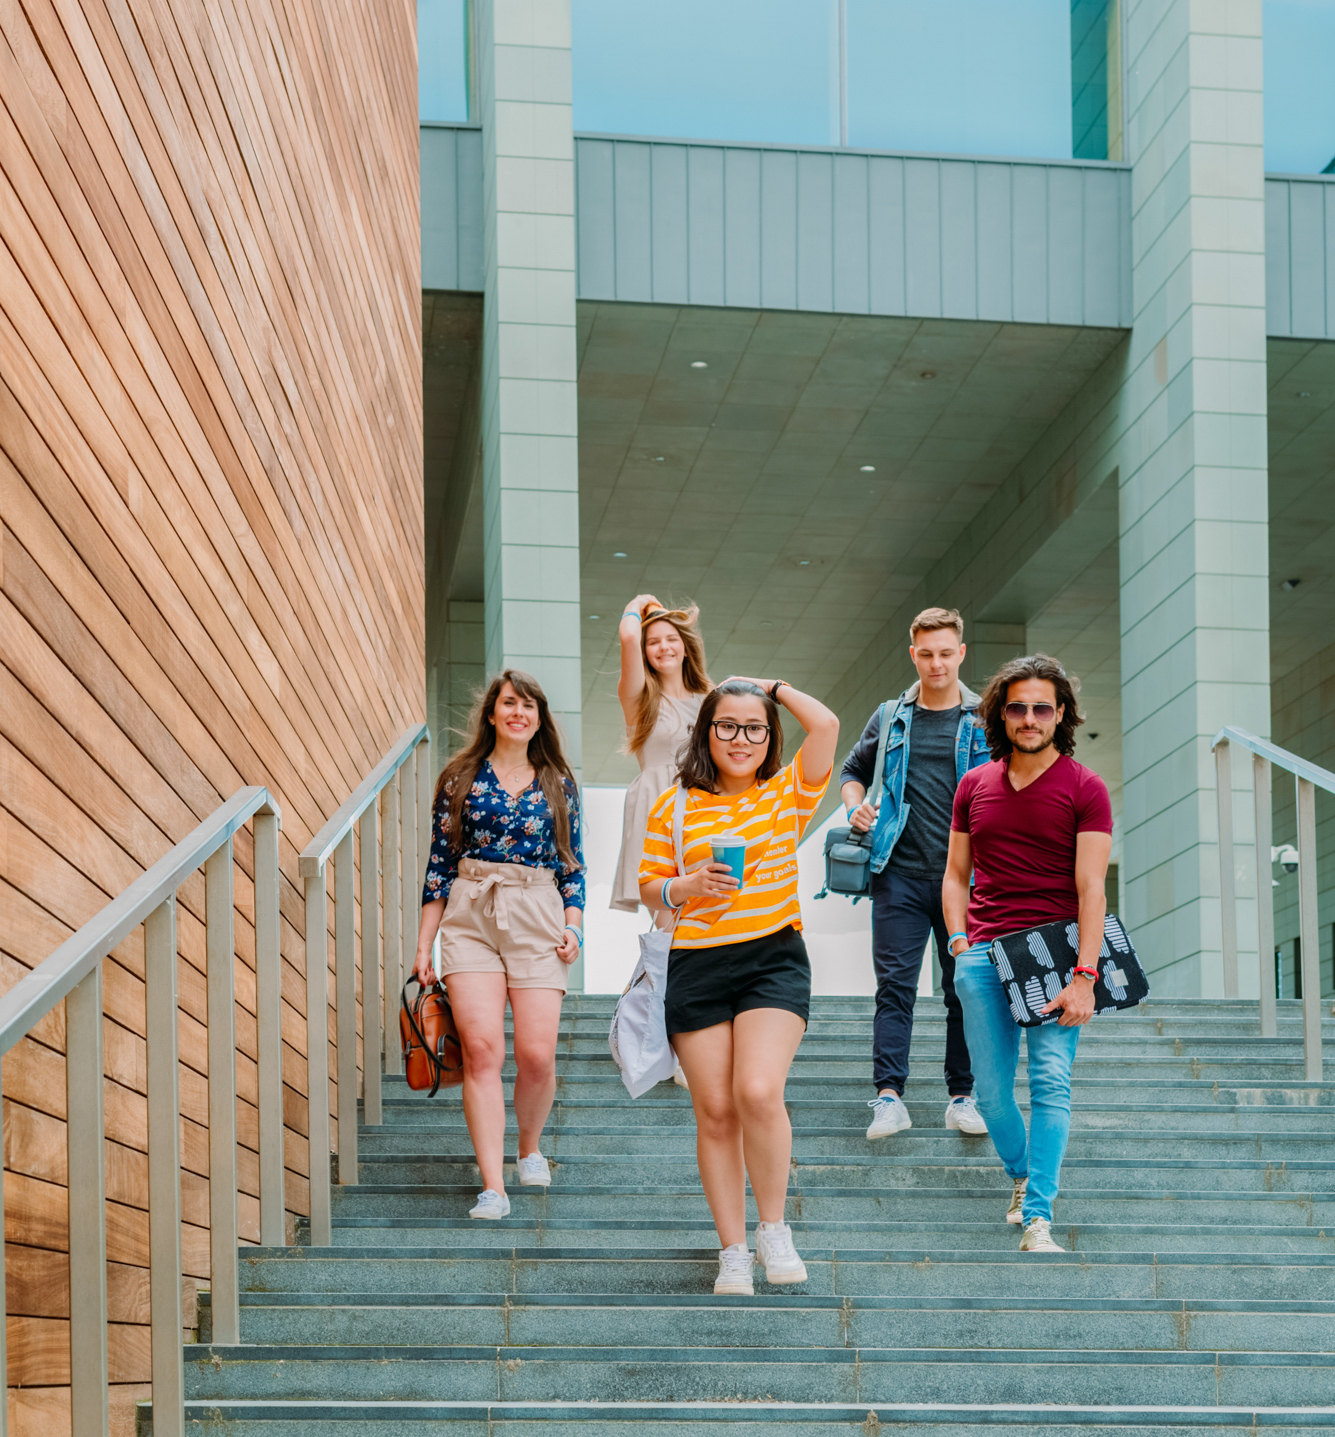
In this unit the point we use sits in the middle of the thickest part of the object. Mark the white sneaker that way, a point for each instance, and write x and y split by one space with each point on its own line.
1038 1237
774 1247
963 1114
1015 1213
534 1172
891 1116
491 1204
734 1272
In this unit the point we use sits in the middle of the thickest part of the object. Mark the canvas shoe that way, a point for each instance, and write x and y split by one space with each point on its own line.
534 1172
963 1114
734 1272
774 1247
889 1116
491 1204
1014 1213
1038 1237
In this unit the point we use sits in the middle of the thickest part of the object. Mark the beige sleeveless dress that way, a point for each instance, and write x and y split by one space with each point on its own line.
658 769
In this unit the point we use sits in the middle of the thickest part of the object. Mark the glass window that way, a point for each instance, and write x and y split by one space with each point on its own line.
976 77
1096 80
1299 38
442 59
708 69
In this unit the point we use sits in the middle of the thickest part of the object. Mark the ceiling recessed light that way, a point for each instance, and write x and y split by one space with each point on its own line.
1290 584
804 561
595 616
618 555
766 623
658 459
927 374
869 469
699 364
1304 394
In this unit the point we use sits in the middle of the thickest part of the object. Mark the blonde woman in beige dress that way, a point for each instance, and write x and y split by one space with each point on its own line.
663 681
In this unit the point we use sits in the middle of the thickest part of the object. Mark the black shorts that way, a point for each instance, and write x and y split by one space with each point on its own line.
706 986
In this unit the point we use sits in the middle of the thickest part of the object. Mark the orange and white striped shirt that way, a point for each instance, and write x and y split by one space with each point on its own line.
771 816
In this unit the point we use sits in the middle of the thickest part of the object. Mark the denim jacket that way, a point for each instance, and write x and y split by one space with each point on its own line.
970 751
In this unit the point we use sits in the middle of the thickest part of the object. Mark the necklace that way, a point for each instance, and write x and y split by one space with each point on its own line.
506 774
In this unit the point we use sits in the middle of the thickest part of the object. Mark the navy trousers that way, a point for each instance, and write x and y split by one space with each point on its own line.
903 912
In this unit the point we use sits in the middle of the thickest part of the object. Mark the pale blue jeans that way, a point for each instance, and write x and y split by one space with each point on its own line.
994 1046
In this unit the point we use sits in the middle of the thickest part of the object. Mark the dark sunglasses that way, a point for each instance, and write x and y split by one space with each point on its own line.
1043 713
727 730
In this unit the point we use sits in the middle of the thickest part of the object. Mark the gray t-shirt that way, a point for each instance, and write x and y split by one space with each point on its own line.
929 790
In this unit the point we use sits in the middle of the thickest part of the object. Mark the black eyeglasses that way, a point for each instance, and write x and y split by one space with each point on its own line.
727 730
1043 713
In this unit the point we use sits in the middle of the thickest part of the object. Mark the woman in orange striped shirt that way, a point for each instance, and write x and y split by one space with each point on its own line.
739 982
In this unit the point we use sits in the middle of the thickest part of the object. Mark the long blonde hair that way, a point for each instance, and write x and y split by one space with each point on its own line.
694 675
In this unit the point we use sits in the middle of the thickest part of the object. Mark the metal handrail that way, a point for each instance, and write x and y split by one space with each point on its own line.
402 858
1281 757
74 972
1308 777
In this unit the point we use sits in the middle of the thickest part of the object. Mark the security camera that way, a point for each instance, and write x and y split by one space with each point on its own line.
1286 854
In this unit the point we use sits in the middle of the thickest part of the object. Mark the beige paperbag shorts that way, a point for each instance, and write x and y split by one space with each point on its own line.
504 918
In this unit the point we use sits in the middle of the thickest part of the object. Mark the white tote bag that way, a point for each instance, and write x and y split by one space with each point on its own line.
638 1036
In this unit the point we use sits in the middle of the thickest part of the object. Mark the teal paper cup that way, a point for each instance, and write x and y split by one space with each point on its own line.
729 848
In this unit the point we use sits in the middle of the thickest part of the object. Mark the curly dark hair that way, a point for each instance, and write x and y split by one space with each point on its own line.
695 766
1031 666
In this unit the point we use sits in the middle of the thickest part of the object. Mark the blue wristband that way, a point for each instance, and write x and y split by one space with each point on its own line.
667 902
953 937
631 614
578 932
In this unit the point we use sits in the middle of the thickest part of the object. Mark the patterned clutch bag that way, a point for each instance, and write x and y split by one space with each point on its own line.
1036 965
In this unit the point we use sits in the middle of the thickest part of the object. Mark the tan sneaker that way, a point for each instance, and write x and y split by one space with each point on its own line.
1038 1237
1013 1213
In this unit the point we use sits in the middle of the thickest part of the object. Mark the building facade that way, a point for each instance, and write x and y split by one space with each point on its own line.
1086 399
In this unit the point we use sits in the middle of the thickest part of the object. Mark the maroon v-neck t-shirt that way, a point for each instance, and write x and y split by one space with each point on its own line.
1023 843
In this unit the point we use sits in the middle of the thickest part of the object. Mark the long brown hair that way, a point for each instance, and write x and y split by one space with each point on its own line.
1014 671
693 673
696 764
545 753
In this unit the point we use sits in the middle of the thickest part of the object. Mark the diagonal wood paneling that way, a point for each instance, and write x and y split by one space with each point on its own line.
211 556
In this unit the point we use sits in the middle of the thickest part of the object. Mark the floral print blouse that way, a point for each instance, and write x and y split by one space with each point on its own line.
500 828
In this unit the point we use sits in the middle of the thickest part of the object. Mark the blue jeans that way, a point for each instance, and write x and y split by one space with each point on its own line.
994 1045
904 911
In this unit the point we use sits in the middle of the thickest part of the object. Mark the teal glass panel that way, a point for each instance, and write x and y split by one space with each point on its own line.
442 60
1095 52
1299 40
978 77
762 70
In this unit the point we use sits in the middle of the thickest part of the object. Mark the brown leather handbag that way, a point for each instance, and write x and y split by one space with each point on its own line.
432 1057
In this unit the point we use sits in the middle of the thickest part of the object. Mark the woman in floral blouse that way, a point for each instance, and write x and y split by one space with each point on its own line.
505 890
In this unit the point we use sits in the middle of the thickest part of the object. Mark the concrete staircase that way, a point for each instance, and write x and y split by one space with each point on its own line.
1198 1202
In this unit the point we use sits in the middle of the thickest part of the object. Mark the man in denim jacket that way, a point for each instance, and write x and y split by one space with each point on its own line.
933 742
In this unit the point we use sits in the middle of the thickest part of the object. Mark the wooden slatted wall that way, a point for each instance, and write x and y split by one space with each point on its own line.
211 559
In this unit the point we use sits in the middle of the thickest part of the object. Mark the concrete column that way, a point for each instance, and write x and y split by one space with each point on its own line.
530 467
1193 468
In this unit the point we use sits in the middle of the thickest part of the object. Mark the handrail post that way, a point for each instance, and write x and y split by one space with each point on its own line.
1265 894
393 907
409 892
85 1133
220 927
345 988
1307 925
164 1171
423 827
1228 896
317 1056
269 1032
372 1010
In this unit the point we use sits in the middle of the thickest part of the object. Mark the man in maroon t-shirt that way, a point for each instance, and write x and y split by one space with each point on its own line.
1034 828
